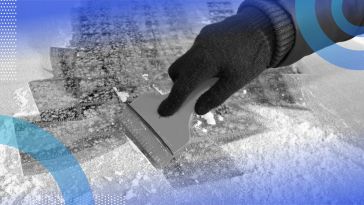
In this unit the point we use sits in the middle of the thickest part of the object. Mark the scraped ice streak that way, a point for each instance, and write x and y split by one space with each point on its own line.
24 99
7 40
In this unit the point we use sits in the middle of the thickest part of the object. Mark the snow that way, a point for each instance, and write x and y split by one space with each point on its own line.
145 76
209 117
26 105
160 91
295 151
297 157
123 96
198 124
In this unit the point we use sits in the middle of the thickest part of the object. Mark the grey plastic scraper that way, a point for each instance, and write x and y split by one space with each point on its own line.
161 138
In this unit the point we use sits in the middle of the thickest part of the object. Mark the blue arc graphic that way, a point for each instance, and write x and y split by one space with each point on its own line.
317 39
34 141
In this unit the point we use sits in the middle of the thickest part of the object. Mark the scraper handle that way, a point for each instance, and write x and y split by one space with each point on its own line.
189 104
173 131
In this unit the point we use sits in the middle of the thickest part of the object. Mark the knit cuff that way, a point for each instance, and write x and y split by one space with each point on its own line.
282 25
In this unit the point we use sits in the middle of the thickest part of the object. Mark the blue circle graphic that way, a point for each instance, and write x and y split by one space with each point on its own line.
341 21
317 39
41 145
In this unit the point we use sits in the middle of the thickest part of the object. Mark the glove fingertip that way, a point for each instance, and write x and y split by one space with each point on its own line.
165 109
201 108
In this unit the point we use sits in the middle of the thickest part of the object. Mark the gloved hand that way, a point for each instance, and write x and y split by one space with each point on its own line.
235 50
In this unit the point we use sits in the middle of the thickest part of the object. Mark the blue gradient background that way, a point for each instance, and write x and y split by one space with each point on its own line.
32 15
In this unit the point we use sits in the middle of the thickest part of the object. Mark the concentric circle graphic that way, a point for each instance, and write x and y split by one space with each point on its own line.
317 39
342 22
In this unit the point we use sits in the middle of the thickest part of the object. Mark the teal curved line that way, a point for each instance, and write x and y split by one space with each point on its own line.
40 145
342 22
315 37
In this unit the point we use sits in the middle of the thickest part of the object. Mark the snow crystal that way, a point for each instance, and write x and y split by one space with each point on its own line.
108 178
123 96
145 76
198 124
159 90
209 117
130 194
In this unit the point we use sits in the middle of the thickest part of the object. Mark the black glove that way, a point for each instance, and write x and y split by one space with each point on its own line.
235 50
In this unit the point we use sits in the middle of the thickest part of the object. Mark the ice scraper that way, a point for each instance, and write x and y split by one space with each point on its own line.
160 138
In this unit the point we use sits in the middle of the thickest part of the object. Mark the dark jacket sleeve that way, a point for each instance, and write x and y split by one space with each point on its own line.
298 48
